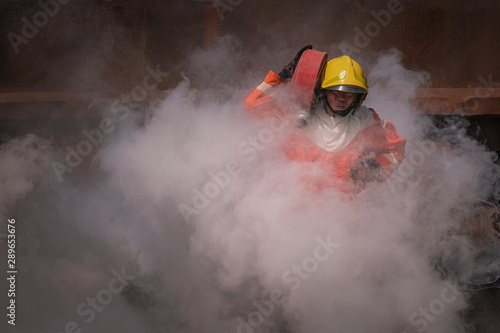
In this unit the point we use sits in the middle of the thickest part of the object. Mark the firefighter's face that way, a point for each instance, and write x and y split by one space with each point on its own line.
339 100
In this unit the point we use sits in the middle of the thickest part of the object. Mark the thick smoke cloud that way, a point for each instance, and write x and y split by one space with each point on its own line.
196 221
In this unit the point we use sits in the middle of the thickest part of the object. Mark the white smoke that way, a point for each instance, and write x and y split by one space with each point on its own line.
215 230
257 226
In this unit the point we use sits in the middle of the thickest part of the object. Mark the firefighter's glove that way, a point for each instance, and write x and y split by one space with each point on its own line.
365 171
289 69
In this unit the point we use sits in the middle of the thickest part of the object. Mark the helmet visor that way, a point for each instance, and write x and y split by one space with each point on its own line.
351 89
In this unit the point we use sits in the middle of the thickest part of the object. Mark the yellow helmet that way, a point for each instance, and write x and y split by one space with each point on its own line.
345 74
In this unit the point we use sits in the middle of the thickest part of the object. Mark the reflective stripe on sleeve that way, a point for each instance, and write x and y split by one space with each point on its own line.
391 158
264 86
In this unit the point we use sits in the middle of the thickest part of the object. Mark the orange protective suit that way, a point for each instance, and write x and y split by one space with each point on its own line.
376 139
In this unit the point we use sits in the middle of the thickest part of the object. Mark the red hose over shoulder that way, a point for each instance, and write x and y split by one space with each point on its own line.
306 76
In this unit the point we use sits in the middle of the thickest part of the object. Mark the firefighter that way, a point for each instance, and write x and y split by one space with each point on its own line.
348 140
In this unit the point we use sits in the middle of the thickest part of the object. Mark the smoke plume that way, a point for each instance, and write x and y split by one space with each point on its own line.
194 220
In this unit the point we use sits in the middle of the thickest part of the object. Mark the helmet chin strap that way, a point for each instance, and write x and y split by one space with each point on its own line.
341 113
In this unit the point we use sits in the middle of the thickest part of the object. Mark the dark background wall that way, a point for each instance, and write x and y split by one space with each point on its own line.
105 46
455 41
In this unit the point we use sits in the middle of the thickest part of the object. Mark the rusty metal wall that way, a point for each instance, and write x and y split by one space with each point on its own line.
455 41
61 54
